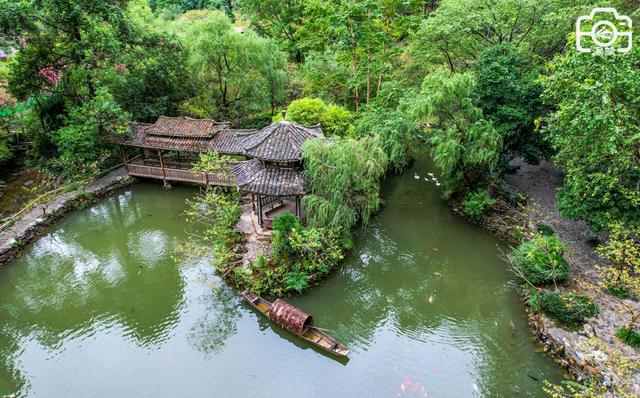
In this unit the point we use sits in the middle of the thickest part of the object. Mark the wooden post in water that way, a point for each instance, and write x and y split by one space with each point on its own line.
165 184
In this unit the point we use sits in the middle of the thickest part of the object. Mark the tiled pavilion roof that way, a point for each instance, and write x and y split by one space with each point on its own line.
253 177
182 134
279 142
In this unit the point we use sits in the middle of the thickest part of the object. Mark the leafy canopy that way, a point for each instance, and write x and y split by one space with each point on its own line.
344 176
465 146
595 132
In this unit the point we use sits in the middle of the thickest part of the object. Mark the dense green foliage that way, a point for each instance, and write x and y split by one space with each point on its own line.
629 336
236 72
300 257
595 132
283 226
509 96
344 176
476 204
80 62
465 146
334 119
540 260
569 309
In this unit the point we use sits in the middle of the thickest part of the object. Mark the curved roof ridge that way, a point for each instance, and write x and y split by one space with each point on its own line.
280 141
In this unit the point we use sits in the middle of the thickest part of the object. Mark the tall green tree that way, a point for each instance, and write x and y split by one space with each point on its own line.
365 37
458 31
595 131
465 146
77 52
344 176
277 19
509 95
237 70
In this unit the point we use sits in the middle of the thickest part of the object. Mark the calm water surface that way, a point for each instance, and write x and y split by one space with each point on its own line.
97 307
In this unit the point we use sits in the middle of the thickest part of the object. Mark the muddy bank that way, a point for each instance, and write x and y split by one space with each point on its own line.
15 237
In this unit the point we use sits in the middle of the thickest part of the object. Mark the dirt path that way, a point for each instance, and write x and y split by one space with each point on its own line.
596 346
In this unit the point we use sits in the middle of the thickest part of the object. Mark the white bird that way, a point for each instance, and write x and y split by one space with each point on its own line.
426 179
437 184
430 174
434 179
417 177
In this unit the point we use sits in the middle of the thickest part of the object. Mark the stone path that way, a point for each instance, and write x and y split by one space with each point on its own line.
254 244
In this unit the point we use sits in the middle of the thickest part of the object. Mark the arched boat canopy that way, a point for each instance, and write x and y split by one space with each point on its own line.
289 317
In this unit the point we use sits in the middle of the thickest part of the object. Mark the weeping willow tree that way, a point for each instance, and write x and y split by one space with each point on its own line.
344 178
465 146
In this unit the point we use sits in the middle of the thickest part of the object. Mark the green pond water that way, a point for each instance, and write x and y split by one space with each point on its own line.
98 307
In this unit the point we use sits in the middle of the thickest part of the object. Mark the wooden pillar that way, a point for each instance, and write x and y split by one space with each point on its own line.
124 158
165 184
260 221
298 213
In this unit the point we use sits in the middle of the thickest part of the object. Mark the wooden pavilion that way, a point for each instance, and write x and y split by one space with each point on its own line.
271 174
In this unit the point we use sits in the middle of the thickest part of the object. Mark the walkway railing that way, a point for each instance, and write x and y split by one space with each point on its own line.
170 174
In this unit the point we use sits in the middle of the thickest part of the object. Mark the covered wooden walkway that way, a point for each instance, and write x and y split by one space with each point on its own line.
140 169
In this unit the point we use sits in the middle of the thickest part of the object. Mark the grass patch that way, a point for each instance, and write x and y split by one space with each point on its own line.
629 336
569 309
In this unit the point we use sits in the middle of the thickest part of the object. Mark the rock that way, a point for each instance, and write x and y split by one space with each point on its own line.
588 330
599 357
28 183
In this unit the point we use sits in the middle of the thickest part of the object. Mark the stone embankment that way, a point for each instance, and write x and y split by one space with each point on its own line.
16 236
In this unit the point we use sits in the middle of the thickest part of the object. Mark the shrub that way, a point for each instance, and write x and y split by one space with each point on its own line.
283 225
297 280
622 249
334 119
629 336
539 260
476 203
569 309
545 229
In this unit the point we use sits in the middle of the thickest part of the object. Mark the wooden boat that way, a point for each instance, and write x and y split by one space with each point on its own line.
297 322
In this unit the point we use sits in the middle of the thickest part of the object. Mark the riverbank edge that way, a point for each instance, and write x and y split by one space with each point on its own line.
17 237
539 324
584 353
